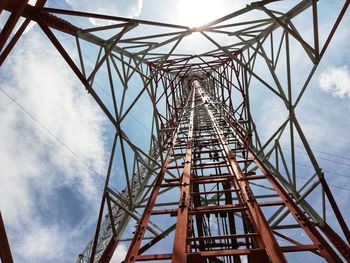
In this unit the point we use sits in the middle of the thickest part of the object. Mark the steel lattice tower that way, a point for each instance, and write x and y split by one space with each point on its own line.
206 188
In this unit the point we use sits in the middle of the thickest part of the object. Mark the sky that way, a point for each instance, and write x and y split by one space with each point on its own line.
55 142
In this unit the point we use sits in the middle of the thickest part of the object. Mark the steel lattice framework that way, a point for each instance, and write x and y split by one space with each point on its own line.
206 187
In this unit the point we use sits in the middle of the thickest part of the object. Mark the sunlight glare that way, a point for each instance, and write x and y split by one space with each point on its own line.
194 13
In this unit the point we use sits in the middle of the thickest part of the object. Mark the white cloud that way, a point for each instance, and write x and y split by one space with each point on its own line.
39 242
48 243
124 8
336 80
36 171
119 254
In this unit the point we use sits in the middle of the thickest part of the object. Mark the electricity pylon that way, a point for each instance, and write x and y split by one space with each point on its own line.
206 188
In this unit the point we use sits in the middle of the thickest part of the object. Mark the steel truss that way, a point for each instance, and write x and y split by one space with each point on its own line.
204 154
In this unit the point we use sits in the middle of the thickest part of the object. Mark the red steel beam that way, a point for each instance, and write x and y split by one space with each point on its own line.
18 8
5 251
267 240
181 231
144 220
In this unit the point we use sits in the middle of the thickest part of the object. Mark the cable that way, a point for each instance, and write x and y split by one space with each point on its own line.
50 133
326 170
327 153
323 158
331 185
326 139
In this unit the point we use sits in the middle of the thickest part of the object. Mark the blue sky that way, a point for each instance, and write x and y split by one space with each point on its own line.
44 213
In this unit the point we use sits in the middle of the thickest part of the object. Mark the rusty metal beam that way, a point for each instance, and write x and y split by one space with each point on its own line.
5 251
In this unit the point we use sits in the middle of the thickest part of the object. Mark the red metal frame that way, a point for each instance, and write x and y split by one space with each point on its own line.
5 251
198 122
